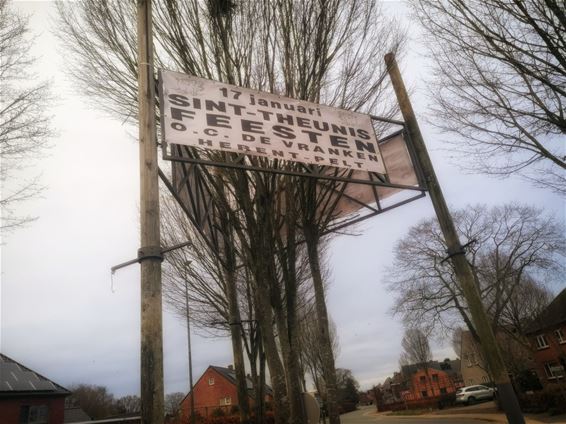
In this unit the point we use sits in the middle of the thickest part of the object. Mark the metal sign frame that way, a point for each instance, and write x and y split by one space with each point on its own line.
202 214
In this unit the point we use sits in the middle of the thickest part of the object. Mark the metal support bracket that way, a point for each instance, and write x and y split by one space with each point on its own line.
150 252
460 250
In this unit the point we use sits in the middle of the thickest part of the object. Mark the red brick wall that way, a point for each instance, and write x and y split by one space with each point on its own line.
10 408
432 387
552 353
207 396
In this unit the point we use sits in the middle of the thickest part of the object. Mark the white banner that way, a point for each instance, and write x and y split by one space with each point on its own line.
212 115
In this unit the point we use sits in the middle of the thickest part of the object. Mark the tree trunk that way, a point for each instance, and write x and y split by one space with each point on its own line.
237 349
290 358
288 328
234 318
328 367
261 394
265 319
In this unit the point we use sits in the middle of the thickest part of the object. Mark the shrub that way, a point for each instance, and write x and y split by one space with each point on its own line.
269 419
344 407
527 380
551 398
217 412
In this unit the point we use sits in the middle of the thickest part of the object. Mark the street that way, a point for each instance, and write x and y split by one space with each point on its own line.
365 415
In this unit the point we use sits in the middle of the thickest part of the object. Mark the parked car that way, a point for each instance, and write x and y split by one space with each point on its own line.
471 394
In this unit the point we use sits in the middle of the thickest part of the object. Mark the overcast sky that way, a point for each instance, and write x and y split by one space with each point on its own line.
62 316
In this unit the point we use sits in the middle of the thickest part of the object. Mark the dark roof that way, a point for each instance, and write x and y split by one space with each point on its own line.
452 366
17 379
553 315
408 370
75 415
230 375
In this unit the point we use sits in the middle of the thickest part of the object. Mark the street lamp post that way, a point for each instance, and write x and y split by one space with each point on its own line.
190 352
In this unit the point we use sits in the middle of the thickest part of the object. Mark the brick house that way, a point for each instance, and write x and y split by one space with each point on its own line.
429 383
28 397
216 390
417 386
548 336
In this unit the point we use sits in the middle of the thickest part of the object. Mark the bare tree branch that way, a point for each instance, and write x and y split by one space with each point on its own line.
499 85
24 123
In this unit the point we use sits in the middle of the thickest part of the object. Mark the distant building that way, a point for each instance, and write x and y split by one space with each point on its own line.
548 337
27 397
416 384
451 367
216 391
473 367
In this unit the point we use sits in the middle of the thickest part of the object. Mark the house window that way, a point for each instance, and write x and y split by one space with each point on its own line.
553 370
211 381
424 393
226 401
435 378
560 336
422 379
36 414
443 390
541 342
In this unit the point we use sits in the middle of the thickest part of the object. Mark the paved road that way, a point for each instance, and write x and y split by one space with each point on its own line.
364 416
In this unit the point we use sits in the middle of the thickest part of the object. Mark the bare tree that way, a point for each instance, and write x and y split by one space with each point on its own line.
309 50
311 348
24 124
96 401
173 403
416 349
128 404
510 248
204 274
525 304
500 78
344 37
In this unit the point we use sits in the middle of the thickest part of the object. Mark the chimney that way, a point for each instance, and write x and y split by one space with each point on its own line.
231 367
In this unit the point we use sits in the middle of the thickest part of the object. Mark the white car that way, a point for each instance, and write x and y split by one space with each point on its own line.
471 394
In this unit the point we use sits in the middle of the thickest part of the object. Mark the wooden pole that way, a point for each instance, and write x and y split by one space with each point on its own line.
149 255
456 252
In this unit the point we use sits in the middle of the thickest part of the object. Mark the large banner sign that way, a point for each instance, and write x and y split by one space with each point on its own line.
212 115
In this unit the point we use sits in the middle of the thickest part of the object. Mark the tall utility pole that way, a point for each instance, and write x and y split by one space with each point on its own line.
456 252
149 255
